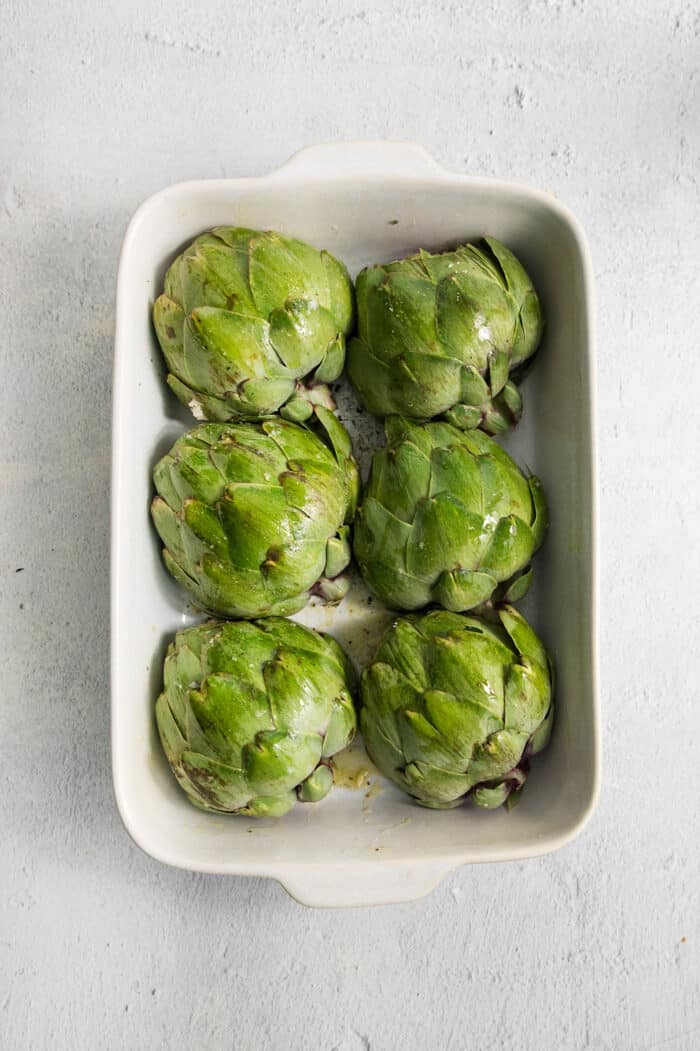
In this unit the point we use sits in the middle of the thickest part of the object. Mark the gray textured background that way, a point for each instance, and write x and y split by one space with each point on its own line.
595 947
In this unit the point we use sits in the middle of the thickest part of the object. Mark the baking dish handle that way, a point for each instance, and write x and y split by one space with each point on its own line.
373 158
367 884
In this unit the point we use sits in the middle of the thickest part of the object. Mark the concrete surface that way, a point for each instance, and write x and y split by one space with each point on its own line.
595 947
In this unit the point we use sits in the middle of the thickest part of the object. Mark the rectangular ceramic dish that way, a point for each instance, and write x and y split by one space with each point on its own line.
365 202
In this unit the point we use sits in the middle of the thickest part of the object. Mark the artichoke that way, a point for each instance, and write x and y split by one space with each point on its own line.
245 317
255 516
454 706
446 517
251 713
441 334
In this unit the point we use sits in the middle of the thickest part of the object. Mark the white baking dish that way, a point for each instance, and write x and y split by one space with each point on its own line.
364 202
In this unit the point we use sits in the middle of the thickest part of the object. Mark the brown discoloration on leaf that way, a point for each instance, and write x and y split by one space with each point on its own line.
206 783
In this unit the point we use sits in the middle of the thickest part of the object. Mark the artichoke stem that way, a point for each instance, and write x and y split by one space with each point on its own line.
300 406
332 590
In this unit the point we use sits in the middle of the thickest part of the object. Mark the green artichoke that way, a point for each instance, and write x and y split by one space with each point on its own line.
446 517
443 333
245 317
251 713
454 706
255 517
